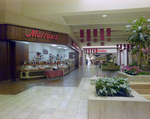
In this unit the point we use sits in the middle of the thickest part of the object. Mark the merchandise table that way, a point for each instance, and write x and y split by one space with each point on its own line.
52 74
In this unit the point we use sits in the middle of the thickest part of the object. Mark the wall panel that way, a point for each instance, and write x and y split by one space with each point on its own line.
3 61
21 54
2 32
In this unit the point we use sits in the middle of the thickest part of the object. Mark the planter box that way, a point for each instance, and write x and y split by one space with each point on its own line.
136 107
93 80
104 67
117 67
111 66
132 78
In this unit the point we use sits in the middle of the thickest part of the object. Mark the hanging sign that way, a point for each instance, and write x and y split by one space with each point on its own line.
73 44
35 34
101 51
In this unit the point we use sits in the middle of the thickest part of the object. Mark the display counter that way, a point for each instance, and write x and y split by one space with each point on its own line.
66 70
52 74
37 70
72 67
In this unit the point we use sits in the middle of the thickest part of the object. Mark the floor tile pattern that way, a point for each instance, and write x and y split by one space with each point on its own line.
43 102
70 80
55 99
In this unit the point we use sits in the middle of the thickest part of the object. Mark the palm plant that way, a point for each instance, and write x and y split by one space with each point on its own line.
108 56
140 36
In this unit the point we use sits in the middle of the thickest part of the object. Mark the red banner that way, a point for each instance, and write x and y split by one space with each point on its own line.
88 34
101 34
94 32
93 50
127 46
124 46
88 50
120 46
108 32
117 45
81 33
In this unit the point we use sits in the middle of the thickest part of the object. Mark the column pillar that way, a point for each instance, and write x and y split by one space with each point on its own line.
118 51
125 57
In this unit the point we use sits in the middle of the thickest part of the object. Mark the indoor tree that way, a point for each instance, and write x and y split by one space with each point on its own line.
140 36
108 56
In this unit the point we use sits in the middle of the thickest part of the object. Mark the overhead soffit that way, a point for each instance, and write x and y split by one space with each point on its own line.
87 14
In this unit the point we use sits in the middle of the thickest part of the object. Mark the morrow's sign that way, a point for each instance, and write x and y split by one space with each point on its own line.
36 34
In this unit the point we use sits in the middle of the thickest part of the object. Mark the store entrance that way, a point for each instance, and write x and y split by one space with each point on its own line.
90 59
48 57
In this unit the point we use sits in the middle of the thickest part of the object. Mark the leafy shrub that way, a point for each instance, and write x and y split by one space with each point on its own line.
133 64
134 70
113 87
116 64
144 73
105 64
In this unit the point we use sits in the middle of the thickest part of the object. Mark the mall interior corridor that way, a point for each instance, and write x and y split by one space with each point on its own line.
70 80
55 99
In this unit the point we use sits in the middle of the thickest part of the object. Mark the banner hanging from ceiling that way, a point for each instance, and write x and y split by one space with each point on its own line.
88 34
94 32
102 35
81 33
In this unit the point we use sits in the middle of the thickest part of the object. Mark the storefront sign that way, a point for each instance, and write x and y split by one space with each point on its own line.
74 45
35 34
101 51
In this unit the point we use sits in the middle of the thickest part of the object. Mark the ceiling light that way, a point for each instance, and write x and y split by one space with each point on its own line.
54 45
59 47
65 48
104 15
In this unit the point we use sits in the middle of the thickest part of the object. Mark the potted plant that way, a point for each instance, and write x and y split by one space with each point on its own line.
140 36
134 70
102 43
113 87
95 39
88 44
82 40
108 39
108 56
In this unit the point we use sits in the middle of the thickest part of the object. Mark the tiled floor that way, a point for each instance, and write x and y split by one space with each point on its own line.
40 102
47 102
70 80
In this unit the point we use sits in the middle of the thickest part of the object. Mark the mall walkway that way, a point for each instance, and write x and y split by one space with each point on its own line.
70 80
55 99
37 99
